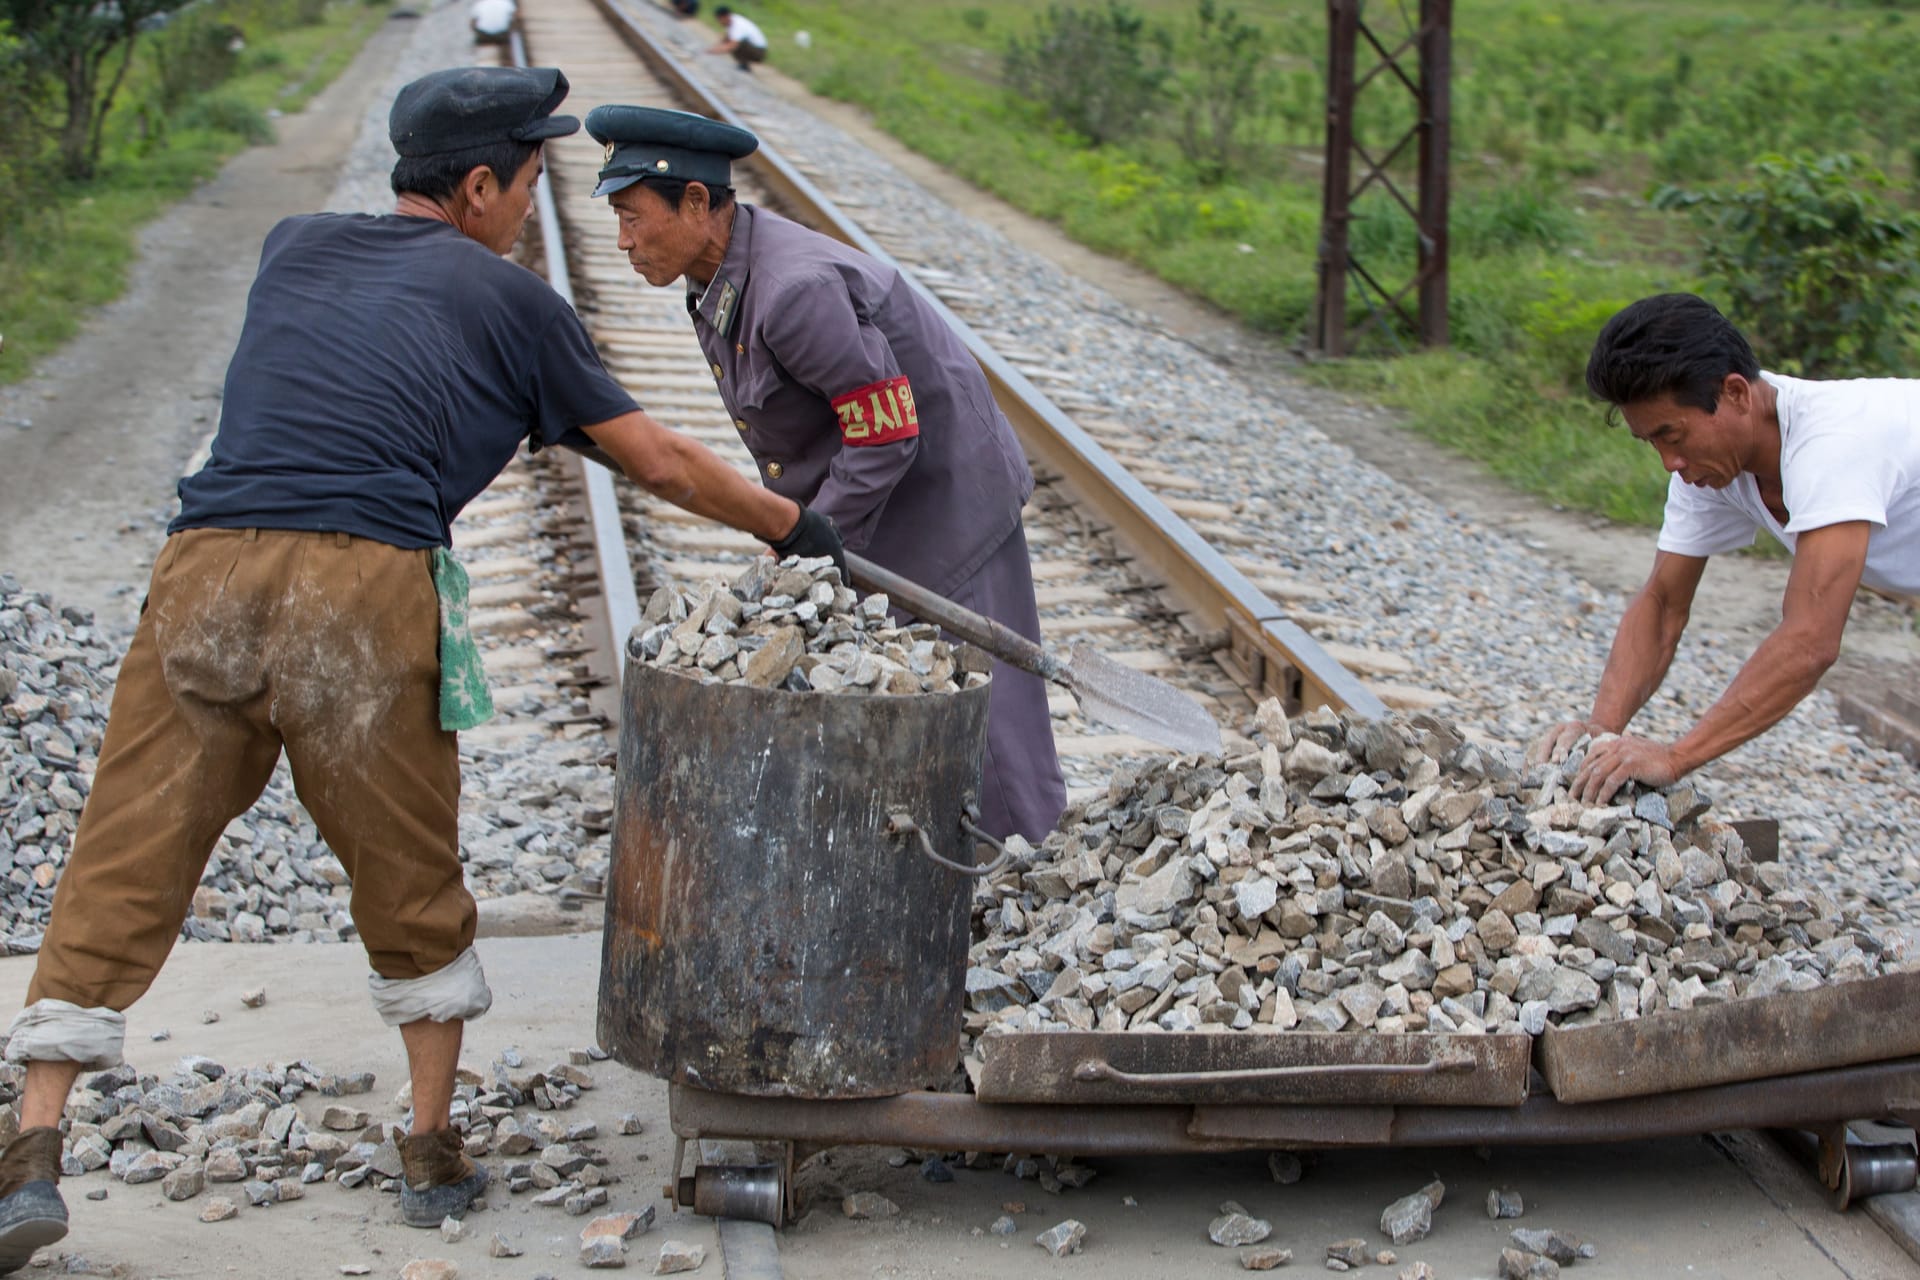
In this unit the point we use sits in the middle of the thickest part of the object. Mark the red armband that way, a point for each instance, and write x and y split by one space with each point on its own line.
878 414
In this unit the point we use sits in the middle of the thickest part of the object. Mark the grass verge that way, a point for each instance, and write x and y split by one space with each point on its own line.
1565 115
80 243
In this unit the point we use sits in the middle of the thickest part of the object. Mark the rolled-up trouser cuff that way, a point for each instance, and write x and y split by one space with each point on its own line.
456 993
61 1031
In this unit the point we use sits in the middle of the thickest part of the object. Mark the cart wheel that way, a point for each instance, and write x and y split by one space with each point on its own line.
751 1193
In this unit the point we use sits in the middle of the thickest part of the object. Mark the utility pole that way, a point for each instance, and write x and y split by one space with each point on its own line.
1428 47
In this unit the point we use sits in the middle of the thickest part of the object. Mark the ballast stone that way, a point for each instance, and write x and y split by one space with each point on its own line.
1264 1258
1063 1238
1518 1264
677 1256
1505 1203
1563 1249
793 626
1410 1218
1246 894
864 1206
1234 1229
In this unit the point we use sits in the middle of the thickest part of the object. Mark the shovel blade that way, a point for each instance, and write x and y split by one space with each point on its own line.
1139 704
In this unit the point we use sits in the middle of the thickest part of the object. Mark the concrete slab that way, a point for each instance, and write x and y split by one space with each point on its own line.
1668 1209
317 1008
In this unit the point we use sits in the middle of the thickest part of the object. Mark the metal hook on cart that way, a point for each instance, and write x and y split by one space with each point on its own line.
900 825
1448 1061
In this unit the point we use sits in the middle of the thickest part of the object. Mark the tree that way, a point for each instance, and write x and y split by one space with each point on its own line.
72 43
19 148
1819 268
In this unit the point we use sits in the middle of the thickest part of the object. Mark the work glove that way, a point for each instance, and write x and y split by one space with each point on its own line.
814 535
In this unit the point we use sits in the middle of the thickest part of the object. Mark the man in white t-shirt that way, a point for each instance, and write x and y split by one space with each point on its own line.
491 20
743 39
1831 469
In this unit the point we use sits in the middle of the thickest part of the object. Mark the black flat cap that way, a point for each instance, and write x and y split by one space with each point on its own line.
653 142
474 106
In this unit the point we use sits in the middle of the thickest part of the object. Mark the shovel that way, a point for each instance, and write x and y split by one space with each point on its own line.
1106 691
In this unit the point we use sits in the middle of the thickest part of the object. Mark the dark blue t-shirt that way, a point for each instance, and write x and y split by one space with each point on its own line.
388 369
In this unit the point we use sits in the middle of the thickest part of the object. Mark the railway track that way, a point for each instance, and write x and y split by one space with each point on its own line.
1128 556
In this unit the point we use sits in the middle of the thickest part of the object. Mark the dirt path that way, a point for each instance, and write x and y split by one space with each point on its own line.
112 419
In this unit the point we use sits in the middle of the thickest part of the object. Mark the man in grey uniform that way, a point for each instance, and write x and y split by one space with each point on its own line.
831 366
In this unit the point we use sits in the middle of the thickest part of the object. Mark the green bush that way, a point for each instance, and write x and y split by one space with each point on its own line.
192 55
1100 72
1559 327
1218 96
1813 262
1380 233
226 114
1512 216
1690 152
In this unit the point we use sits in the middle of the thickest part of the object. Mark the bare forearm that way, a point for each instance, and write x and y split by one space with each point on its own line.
1643 649
696 478
688 474
1782 671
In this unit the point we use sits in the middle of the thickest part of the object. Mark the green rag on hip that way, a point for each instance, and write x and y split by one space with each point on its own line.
464 700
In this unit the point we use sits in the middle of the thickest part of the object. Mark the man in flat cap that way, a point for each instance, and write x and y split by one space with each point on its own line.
854 397
389 367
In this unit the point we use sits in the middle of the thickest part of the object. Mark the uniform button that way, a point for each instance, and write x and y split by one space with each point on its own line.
741 424
717 371
774 469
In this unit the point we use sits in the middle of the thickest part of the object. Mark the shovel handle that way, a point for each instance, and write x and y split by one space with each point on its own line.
976 629
982 632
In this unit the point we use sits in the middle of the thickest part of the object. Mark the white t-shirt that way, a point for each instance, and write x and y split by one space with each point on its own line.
492 16
745 31
1848 451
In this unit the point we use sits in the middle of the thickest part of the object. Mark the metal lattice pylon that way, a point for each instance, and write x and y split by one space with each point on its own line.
1429 45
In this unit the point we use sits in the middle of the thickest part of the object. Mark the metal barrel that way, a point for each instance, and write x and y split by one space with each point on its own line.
764 933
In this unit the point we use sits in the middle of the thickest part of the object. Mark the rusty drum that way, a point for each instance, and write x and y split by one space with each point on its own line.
765 933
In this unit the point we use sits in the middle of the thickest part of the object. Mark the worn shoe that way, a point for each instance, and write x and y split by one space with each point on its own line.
32 1213
437 1181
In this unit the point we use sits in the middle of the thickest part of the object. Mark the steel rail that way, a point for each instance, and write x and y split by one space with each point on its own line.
619 601
1267 651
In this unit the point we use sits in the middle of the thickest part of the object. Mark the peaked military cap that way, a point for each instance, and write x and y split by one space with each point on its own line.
653 142
473 106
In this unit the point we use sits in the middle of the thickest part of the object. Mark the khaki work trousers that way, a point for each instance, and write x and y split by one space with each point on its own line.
254 641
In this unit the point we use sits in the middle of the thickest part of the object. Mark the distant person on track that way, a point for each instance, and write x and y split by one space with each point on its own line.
388 369
686 8
1830 469
853 396
743 39
492 21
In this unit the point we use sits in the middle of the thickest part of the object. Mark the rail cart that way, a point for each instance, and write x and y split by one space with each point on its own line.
786 951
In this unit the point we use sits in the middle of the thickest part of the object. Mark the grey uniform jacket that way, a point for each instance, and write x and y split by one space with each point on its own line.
855 397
